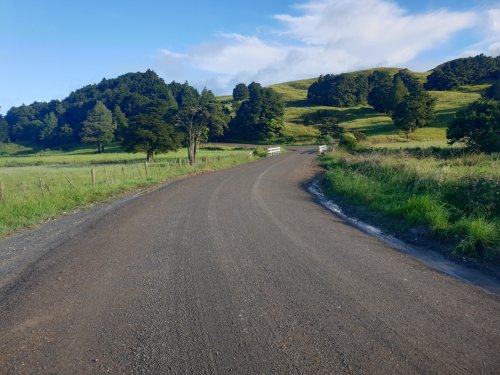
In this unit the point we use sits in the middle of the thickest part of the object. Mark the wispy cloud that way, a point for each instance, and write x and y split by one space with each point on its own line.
326 36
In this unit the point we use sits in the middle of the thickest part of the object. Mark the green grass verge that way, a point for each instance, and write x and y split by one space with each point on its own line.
40 187
453 195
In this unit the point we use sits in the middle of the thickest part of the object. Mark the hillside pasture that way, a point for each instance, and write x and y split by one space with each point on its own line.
301 117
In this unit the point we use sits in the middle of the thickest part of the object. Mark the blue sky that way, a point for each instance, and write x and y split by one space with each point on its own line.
50 48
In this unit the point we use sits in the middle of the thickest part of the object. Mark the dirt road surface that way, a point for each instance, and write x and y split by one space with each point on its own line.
240 272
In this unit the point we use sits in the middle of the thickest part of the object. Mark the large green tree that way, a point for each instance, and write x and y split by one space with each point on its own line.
411 106
379 96
260 117
415 111
98 127
199 120
240 92
397 94
478 126
150 132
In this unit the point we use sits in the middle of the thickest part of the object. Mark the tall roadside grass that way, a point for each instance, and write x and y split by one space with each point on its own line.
33 193
449 194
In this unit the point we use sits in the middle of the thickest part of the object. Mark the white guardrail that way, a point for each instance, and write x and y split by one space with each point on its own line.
273 150
322 149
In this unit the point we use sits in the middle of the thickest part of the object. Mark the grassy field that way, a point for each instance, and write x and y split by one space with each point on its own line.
448 194
40 186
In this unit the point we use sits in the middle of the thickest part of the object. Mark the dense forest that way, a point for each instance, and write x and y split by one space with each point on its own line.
60 123
464 71
145 114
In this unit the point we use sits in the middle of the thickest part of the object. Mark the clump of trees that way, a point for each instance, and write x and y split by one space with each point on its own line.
463 71
342 90
260 117
401 96
478 126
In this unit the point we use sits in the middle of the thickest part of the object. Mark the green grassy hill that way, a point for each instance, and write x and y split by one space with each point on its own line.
300 116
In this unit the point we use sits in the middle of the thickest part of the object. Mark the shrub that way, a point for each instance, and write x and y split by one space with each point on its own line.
349 140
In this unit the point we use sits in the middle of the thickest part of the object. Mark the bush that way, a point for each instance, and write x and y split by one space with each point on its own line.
260 152
349 140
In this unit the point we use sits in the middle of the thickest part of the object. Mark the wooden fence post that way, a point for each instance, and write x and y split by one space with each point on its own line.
146 169
123 174
41 185
92 172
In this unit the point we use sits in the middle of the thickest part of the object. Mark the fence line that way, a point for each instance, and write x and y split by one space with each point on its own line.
37 185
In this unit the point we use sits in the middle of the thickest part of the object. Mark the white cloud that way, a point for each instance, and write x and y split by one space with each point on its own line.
328 36
488 26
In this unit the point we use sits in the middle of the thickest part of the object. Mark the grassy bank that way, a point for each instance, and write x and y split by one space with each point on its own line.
441 194
38 187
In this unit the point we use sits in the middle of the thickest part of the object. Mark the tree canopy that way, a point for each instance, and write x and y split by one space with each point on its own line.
150 131
240 92
463 71
478 126
380 82
130 92
200 118
260 117
342 90
98 127
411 105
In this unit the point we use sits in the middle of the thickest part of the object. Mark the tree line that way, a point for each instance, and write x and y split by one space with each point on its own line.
463 71
402 96
145 114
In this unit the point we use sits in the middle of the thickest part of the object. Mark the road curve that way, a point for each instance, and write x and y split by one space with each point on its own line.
240 272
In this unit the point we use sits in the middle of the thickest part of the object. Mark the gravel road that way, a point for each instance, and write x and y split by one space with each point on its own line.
238 272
